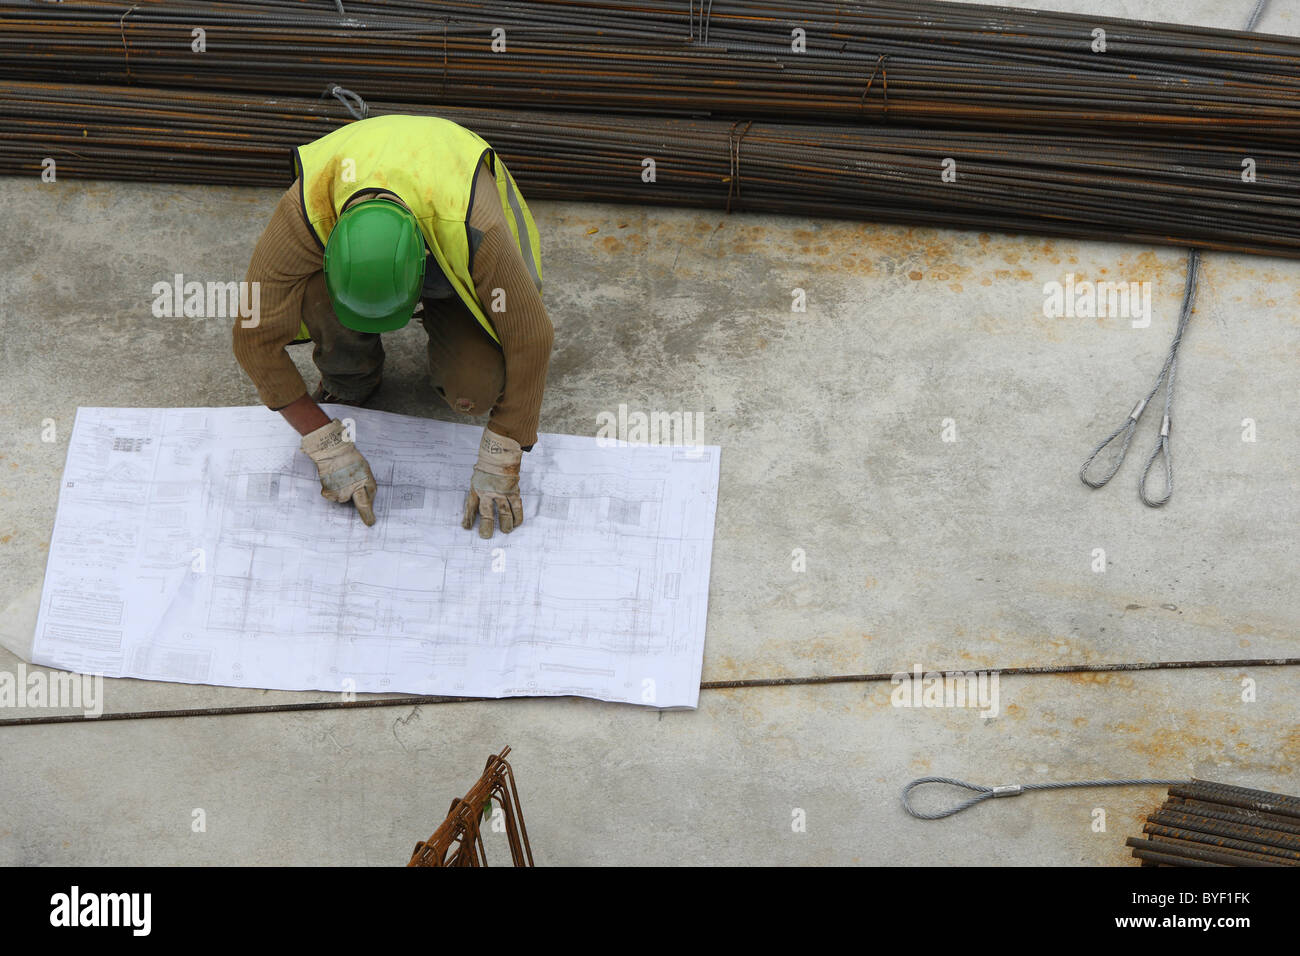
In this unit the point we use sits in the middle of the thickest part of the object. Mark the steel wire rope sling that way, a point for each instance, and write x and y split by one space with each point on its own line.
983 793
1166 376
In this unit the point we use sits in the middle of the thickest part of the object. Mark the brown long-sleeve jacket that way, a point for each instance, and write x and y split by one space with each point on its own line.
288 255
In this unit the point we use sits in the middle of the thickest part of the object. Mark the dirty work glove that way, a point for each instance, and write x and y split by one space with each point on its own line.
344 472
495 482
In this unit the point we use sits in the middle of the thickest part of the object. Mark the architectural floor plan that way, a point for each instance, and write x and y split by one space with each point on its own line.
193 545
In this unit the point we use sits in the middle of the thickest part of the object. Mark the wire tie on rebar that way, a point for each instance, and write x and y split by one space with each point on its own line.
883 73
359 111
733 147
126 52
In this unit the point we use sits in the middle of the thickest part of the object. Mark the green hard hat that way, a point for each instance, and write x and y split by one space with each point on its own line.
374 266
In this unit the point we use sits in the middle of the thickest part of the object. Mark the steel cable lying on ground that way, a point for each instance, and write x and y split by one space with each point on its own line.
983 793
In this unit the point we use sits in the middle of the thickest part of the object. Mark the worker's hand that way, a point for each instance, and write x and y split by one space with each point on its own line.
344 473
495 484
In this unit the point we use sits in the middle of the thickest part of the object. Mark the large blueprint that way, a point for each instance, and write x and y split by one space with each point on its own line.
193 545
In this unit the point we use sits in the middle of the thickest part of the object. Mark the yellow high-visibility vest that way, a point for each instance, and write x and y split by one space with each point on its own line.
429 163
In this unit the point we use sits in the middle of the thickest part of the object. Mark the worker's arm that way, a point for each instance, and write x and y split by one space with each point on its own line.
284 261
304 415
285 258
514 306
522 326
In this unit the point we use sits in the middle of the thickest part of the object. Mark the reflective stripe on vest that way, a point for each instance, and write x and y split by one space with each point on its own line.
428 162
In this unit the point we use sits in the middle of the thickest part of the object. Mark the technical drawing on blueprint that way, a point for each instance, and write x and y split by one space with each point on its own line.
193 545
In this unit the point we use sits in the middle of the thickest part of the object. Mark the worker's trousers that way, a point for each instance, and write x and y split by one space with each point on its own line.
466 367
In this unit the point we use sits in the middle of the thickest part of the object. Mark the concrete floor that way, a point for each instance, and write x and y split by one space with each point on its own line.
973 553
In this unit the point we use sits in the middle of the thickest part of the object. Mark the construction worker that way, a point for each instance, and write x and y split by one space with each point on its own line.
392 216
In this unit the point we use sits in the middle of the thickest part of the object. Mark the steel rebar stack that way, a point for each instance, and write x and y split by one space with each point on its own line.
1113 188
1214 824
942 65
945 114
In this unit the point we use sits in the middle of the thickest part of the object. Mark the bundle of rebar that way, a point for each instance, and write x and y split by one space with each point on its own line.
458 841
1215 824
941 65
1111 188
942 114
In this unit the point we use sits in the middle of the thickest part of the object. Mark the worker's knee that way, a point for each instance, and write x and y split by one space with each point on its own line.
318 315
471 388
467 368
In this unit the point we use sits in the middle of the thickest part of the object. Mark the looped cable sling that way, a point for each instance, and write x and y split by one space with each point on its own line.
1013 790
1126 430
